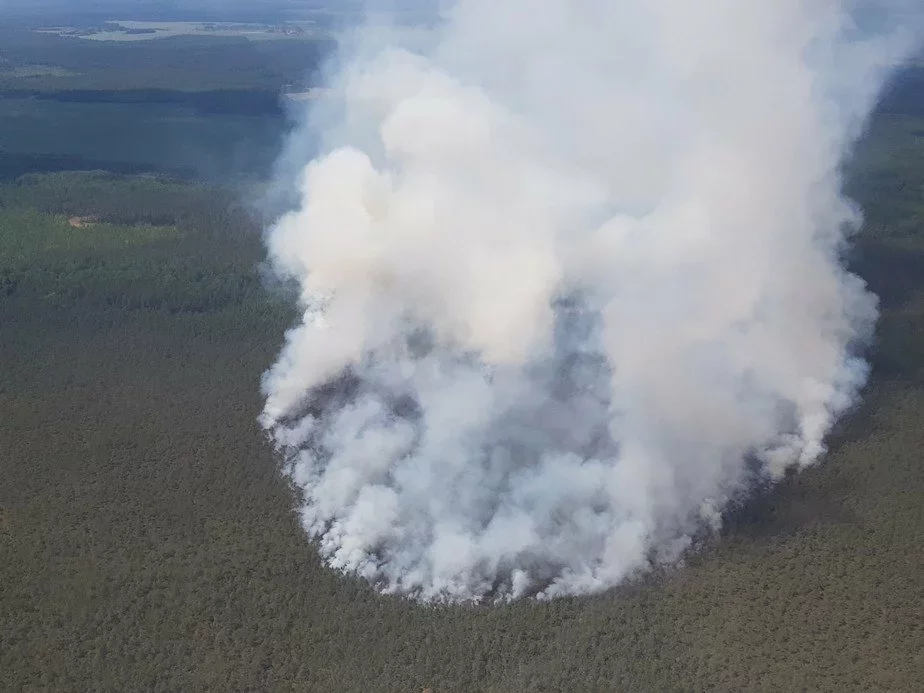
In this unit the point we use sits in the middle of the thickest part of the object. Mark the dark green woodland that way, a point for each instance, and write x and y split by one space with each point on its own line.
148 541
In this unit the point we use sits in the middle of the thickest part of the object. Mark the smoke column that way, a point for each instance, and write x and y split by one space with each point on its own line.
571 281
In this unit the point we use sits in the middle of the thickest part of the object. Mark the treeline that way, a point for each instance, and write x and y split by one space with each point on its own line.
196 63
904 94
886 178
252 102
110 198
102 242
85 15
14 165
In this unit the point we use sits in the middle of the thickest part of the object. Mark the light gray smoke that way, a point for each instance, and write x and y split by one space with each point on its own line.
571 282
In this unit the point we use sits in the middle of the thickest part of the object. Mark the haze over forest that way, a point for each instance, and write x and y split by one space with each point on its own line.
530 353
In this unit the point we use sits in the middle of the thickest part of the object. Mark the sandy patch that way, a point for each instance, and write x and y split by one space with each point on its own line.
82 222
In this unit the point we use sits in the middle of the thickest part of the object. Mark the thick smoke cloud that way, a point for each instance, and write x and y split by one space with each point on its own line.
571 282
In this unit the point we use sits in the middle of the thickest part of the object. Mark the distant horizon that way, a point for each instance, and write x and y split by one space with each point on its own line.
199 10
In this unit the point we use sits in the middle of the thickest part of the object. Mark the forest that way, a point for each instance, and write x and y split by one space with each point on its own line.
148 541
189 106
185 63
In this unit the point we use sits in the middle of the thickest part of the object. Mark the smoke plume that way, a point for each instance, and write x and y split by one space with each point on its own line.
571 281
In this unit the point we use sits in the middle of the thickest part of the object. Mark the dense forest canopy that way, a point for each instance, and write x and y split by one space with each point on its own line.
147 541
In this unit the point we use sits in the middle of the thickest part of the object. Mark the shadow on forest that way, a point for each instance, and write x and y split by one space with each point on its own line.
788 508
14 165
894 273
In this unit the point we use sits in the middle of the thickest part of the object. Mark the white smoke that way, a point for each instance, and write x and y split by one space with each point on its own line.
571 282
